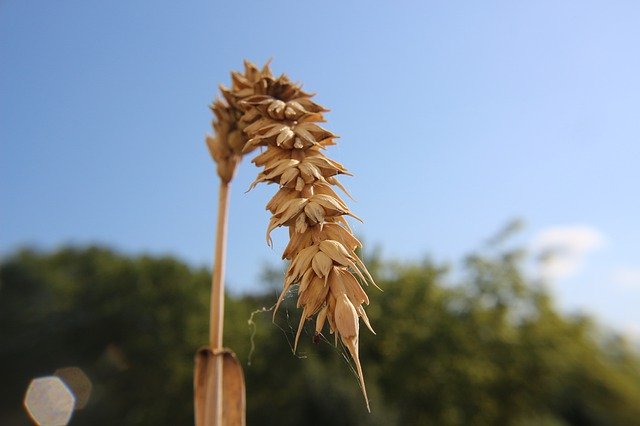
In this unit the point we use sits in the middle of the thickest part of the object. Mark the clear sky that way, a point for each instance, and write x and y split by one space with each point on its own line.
454 117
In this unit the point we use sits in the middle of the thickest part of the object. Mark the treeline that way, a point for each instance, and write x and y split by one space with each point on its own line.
489 349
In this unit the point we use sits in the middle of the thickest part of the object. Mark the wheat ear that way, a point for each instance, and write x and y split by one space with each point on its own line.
262 111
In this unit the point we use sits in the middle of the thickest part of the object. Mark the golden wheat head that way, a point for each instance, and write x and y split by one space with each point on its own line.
276 115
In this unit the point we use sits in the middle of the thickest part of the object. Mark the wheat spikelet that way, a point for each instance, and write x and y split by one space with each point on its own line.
260 110
229 138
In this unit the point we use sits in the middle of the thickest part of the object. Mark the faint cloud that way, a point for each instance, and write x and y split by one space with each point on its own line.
562 249
627 278
632 331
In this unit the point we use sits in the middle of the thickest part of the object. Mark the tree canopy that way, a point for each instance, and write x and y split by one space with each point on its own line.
486 348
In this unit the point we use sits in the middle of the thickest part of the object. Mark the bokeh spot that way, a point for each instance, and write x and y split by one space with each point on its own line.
78 382
49 402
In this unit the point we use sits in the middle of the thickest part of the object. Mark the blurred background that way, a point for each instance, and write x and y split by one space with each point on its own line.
496 160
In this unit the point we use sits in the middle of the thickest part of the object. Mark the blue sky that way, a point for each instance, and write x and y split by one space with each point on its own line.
455 117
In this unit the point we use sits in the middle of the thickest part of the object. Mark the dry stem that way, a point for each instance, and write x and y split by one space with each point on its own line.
216 319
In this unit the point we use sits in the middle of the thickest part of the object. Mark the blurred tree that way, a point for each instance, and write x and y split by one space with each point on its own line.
489 349
132 325
494 350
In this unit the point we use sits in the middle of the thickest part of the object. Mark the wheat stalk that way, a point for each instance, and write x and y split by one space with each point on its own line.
260 110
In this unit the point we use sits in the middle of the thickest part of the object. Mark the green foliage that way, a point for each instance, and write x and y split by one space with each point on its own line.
489 350
132 325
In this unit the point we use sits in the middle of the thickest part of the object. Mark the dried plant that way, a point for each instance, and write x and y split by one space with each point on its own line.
275 114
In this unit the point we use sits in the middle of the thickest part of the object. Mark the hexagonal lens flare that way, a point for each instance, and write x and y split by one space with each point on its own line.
49 402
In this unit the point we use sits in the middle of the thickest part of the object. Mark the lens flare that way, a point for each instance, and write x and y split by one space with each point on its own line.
49 402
